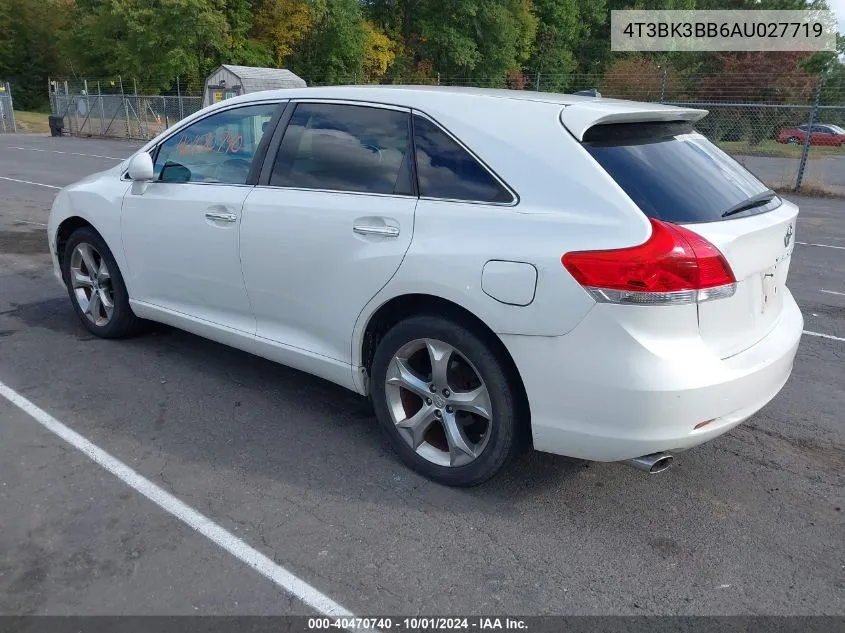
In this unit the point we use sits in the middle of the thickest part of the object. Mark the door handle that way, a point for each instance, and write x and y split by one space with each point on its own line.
221 217
382 231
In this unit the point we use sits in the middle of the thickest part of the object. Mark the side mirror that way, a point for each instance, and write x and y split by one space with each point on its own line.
141 168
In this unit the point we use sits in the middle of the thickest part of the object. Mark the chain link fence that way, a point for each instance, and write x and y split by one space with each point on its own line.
103 109
787 129
786 146
7 111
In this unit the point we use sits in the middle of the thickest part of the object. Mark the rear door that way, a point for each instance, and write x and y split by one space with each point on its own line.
676 175
328 224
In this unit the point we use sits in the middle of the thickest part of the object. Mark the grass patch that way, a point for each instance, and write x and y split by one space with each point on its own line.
32 122
811 187
778 150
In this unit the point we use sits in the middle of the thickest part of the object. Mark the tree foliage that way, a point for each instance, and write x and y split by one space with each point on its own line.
478 39
379 51
281 25
562 25
499 43
333 49
157 40
28 51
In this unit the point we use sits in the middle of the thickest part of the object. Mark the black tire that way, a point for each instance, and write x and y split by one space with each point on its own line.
792 140
505 436
123 321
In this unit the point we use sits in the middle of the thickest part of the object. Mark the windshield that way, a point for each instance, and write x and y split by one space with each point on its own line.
836 129
675 174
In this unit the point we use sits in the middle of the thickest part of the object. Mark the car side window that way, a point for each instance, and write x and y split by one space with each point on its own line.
820 129
345 148
446 170
217 149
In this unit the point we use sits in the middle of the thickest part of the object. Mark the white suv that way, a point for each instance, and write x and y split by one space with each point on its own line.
488 266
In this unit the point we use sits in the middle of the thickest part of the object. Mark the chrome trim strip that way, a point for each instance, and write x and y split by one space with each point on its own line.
647 298
383 231
340 191
351 102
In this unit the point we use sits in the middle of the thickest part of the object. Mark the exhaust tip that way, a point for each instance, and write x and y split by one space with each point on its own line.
664 463
652 464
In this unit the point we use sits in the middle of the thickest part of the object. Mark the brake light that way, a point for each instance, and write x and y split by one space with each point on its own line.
673 266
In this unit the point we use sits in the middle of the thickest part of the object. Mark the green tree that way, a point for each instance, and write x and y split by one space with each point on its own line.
379 51
28 52
242 47
475 41
563 25
281 25
334 47
594 54
156 40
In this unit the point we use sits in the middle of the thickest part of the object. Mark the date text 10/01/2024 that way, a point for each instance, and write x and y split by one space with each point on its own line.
417 624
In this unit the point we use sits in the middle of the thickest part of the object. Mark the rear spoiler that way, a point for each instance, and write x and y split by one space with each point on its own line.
581 116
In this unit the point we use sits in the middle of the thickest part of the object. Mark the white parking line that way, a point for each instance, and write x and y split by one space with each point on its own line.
166 501
27 182
842 248
833 292
830 336
28 222
55 151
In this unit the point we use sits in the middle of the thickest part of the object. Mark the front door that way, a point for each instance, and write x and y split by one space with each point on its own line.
180 232
330 226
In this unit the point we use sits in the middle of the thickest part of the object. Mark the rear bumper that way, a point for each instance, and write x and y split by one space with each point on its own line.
604 393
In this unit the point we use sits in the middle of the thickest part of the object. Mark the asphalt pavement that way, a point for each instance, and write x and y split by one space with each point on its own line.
826 172
294 467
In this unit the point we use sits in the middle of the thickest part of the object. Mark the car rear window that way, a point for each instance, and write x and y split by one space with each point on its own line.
673 173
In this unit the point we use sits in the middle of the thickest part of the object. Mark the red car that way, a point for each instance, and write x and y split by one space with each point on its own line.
822 134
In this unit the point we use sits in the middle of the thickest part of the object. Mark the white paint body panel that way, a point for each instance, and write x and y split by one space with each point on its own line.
307 273
759 256
291 281
616 388
580 117
178 259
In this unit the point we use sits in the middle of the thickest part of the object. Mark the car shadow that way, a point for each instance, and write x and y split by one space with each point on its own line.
189 399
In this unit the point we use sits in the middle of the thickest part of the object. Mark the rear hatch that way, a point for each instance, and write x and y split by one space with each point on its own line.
677 176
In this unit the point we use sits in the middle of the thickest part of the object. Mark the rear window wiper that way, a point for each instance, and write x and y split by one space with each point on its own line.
758 200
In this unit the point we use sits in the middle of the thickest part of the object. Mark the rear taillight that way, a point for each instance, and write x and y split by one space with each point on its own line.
673 266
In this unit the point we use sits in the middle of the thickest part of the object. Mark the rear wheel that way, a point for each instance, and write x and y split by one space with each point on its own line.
444 400
793 140
96 286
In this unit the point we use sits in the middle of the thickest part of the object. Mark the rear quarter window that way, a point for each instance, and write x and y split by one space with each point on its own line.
673 173
445 170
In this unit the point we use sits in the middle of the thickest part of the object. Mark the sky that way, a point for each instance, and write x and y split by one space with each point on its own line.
838 6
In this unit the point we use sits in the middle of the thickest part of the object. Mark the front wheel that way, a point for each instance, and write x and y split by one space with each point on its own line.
445 401
96 287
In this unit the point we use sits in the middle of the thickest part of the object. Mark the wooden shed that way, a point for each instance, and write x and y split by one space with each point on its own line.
230 81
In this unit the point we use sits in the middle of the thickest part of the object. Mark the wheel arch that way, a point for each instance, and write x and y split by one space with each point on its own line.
403 306
65 229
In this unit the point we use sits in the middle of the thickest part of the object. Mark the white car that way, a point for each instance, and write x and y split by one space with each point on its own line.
488 266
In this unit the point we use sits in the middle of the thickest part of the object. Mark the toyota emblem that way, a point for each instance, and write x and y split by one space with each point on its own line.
788 237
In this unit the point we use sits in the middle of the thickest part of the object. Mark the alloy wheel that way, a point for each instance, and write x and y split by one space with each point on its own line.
92 284
438 402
